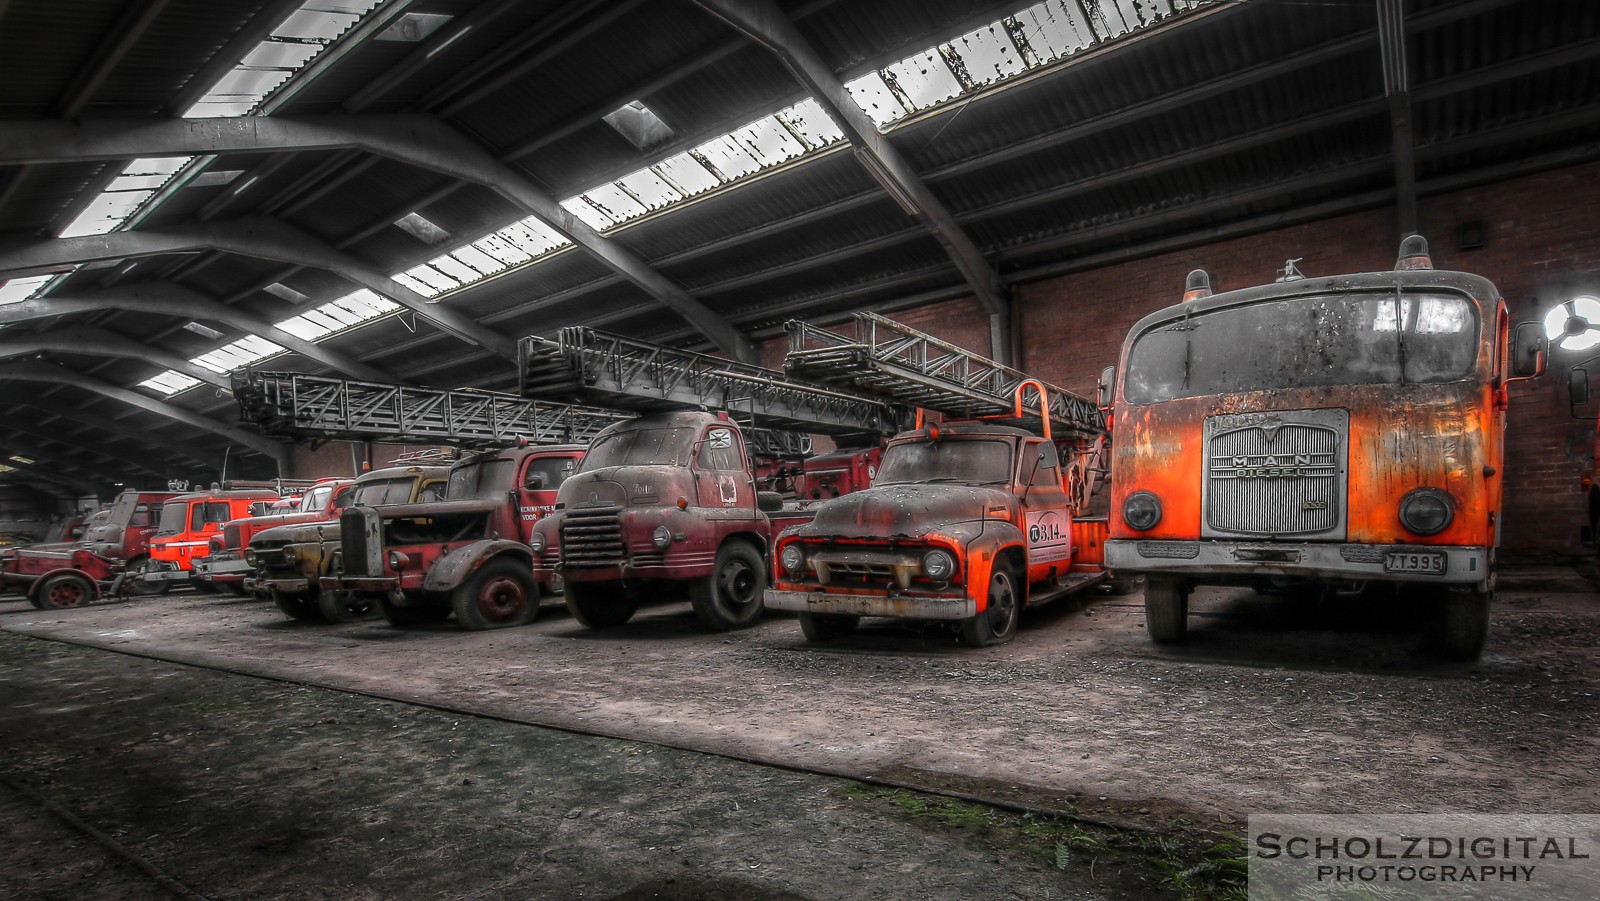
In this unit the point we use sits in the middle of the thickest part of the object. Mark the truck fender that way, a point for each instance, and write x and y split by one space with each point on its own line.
457 566
38 582
983 550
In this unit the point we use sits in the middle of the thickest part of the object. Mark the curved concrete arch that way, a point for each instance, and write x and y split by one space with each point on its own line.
100 343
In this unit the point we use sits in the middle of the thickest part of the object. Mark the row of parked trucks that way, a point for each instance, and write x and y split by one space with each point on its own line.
1344 432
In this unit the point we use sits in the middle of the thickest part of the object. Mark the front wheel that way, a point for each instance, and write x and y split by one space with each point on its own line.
137 586
1464 624
828 626
343 606
731 598
599 605
1166 609
997 622
64 591
296 606
501 593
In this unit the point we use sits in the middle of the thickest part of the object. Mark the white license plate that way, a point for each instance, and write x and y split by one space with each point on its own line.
1414 562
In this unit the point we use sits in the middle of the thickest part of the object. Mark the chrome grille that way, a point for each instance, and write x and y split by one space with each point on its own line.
353 540
592 537
1276 474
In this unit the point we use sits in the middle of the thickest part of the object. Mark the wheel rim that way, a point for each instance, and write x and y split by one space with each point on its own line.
738 583
65 593
501 598
1002 603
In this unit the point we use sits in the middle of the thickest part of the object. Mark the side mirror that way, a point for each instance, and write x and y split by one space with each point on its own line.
1107 388
1527 350
1578 387
533 482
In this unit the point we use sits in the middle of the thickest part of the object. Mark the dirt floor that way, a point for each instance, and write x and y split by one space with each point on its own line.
1276 704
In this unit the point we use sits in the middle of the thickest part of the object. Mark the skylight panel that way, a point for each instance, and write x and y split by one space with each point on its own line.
986 55
872 95
533 236
811 123
280 55
252 84
768 142
366 304
615 202
284 292
105 213
18 458
641 126
339 314
204 331
212 178
301 327
477 259
137 182
455 269
587 213
497 246
726 158
422 228
435 280
170 382
157 165
687 174
650 188
313 23
5 468
1053 30
412 283
19 289
922 80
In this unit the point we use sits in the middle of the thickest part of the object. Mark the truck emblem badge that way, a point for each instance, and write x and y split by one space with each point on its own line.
594 497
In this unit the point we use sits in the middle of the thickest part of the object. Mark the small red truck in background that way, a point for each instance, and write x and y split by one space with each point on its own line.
74 573
183 533
226 568
466 554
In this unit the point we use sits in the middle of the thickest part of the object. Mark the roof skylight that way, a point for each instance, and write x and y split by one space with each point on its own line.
19 289
170 382
422 228
204 331
639 124
18 458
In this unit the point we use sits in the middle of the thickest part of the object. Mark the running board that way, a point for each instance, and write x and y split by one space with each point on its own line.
1072 582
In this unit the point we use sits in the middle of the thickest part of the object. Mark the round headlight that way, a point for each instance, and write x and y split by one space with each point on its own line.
938 565
1142 510
537 542
250 556
1427 511
661 537
290 555
398 560
793 558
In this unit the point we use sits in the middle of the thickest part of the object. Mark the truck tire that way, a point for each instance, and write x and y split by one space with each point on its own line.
343 606
296 606
1166 609
731 597
501 593
828 626
1464 624
769 501
599 606
396 615
997 623
64 591
138 587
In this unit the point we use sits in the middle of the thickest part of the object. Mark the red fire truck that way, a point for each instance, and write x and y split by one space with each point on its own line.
75 573
1338 432
183 533
226 568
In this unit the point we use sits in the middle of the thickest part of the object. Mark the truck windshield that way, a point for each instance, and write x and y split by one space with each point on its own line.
173 516
1306 342
951 460
640 447
123 508
316 498
486 478
380 492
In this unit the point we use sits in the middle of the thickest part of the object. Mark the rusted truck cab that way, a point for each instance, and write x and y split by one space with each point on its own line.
1342 432
184 529
662 503
72 573
967 523
226 567
291 561
466 554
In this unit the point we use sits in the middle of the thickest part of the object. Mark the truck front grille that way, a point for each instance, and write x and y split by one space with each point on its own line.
356 533
1276 474
592 537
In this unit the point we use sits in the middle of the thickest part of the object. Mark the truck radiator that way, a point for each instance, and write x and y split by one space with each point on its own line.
357 530
592 538
1281 474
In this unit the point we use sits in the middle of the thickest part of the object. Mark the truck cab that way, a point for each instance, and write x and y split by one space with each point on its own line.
226 568
291 560
663 502
967 522
466 554
184 529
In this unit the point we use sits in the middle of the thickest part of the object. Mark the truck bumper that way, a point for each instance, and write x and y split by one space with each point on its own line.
383 584
1369 562
872 605
209 570
283 586
630 572
168 572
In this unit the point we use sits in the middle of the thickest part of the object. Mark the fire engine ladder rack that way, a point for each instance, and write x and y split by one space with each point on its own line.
887 358
307 406
629 374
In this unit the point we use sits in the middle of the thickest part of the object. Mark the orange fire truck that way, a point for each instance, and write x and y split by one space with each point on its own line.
1342 432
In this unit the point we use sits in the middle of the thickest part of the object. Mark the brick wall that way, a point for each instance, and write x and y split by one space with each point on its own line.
1541 246
335 459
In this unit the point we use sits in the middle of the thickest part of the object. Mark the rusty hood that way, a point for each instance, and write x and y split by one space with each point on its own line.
908 512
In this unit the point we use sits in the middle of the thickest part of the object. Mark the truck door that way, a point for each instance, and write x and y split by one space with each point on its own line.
536 491
721 474
1047 521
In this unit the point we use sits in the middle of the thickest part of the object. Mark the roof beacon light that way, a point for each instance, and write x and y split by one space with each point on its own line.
1413 254
1197 286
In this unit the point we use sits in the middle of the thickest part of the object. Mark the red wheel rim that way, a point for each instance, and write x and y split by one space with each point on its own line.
501 598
